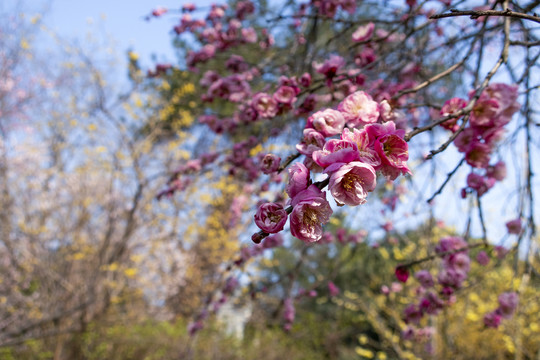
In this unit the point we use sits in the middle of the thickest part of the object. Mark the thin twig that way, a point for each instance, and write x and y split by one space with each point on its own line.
476 14
482 222
448 177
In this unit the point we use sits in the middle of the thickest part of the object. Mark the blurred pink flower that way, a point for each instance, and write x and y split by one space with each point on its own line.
271 217
514 226
363 32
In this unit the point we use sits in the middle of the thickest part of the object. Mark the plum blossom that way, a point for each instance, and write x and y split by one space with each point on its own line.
265 105
497 171
363 32
336 151
362 141
484 112
394 153
298 179
285 95
424 278
310 211
305 80
479 183
271 217
478 155
506 96
330 67
508 303
492 319
451 107
333 289
328 122
312 141
359 109
514 226
482 258
270 163
289 313
350 183
402 273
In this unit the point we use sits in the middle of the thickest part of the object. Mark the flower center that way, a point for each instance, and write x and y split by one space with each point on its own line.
310 217
349 180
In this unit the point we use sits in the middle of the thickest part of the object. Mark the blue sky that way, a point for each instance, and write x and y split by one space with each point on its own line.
121 20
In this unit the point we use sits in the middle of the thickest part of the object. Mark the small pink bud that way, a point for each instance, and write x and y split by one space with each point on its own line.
402 273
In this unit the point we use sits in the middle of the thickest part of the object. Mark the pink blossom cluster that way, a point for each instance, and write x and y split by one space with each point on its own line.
341 236
329 8
288 313
366 145
182 176
437 293
485 128
220 30
508 303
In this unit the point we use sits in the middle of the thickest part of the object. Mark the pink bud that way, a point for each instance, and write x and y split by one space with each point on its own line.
402 273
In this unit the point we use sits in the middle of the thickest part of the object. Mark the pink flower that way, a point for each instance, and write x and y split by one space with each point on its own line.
501 252
271 217
298 179
305 80
451 278
484 112
288 313
459 262
159 11
265 105
394 153
506 96
464 140
431 304
328 122
412 314
249 35
376 131
359 109
497 171
478 155
285 95
479 183
188 7
482 258
312 141
508 303
514 226
391 114
350 183
333 289
363 32
424 278
362 141
451 107
450 243
402 273
270 163
492 319
310 211
330 67
336 151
